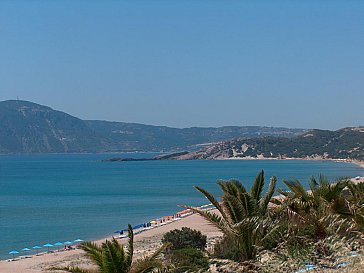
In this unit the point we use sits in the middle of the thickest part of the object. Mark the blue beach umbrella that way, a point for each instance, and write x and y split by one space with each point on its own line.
37 248
58 244
78 241
25 249
48 246
68 243
13 252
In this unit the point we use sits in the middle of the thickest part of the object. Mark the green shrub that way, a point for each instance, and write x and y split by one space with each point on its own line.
227 249
188 259
185 238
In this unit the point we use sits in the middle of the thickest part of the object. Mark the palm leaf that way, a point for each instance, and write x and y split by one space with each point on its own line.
147 264
214 219
130 248
235 209
268 196
232 187
212 200
297 189
93 251
258 186
112 256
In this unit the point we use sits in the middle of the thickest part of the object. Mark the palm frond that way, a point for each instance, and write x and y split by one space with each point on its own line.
113 254
268 196
234 208
214 219
232 186
258 185
313 183
93 251
149 263
297 189
130 248
212 200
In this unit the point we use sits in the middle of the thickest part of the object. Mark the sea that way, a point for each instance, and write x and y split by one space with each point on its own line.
61 197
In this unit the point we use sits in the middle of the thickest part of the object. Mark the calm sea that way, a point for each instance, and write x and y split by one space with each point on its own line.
50 198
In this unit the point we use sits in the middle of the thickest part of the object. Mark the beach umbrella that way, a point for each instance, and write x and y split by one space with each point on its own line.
25 249
48 246
68 243
37 248
58 244
78 241
13 252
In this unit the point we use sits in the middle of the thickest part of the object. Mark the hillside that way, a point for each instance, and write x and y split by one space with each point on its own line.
27 127
347 143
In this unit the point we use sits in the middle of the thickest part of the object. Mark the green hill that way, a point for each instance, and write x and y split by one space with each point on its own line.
347 143
27 127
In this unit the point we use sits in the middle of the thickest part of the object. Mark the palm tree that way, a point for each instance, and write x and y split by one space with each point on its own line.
356 203
322 207
242 215
111 257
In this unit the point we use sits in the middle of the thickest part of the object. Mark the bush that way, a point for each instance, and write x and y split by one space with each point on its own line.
185 238
188 259
226 248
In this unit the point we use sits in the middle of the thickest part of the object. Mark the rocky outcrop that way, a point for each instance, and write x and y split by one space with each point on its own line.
347 143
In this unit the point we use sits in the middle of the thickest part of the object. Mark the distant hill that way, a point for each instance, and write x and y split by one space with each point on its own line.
347 143
27 127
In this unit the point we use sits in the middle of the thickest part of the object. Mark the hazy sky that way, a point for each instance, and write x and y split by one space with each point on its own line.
188 63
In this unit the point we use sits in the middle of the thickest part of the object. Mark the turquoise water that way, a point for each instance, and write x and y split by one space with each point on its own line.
50 198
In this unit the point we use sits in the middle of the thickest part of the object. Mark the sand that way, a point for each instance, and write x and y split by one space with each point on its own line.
144 242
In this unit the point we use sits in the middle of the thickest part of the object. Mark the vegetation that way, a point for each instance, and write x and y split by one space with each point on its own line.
111 257
187 260
318 225
323 207
243 216
261 232
347 143
185 238
32 128
186 250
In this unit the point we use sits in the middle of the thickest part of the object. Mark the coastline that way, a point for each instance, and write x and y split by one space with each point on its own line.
145 242
343 160
358 163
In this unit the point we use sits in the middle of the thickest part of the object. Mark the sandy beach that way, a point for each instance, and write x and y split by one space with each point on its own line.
144 242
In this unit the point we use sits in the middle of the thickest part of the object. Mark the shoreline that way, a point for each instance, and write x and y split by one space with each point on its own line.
145 242
339 160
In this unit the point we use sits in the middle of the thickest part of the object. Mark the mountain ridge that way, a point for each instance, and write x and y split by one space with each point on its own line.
28 127
346 143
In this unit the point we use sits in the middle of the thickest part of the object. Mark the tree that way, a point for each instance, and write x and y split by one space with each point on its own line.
320 207
243 216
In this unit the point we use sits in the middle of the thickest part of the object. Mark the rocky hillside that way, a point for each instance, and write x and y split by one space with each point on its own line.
347 143
27 127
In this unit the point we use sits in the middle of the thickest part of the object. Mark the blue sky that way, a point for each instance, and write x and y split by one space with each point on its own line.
188 63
